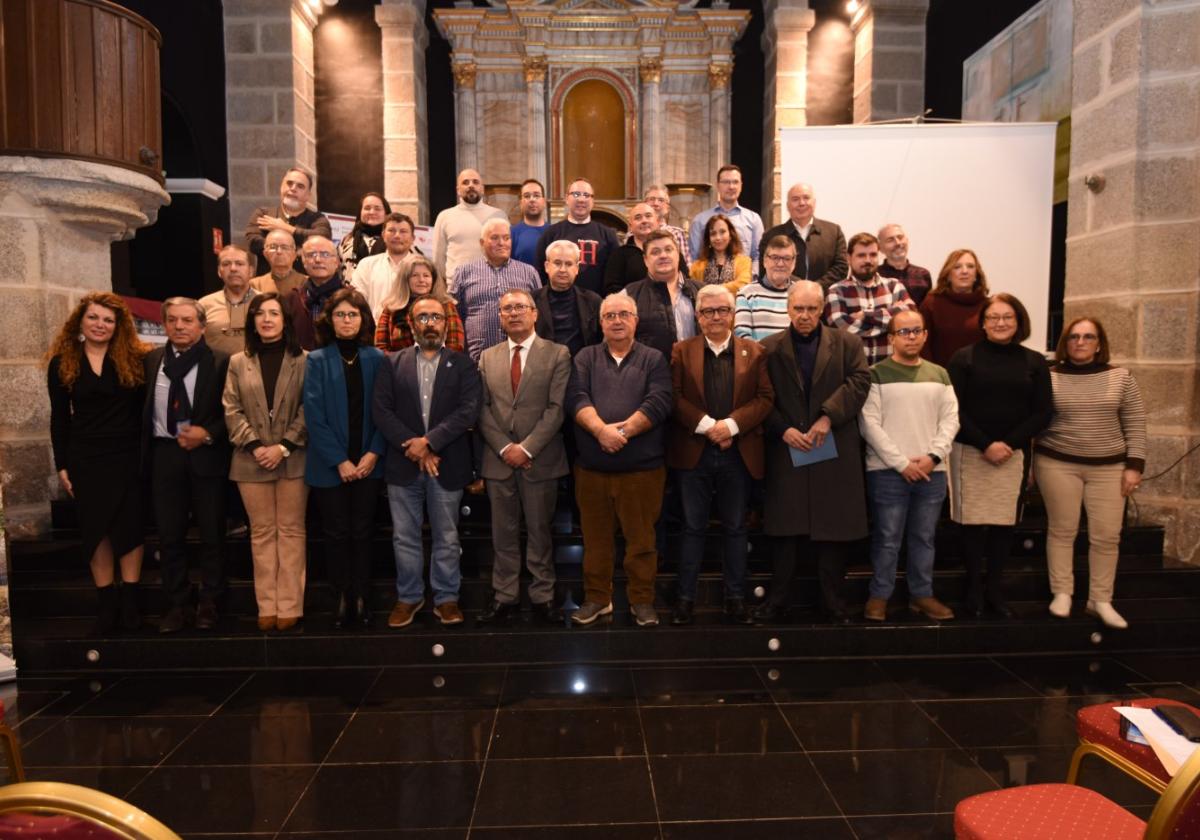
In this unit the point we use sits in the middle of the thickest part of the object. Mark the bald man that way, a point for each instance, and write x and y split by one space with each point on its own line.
820 245
627 264
457 229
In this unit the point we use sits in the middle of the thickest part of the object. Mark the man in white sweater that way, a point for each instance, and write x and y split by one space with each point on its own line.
456 230
909 422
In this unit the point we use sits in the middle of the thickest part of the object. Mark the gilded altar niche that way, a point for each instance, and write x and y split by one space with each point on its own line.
626 93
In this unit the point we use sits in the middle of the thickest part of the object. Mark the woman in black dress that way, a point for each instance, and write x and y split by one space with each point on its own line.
97 388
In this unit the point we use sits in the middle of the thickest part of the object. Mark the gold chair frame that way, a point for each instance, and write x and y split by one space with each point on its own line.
1117 760
1169 810
119 817
16 768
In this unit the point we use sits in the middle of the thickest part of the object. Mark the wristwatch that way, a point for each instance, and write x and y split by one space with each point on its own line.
936 460
287 453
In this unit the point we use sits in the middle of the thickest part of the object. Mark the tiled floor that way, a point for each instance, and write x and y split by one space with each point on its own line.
794 750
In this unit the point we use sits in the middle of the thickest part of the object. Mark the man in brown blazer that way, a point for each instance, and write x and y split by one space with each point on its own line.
524 382
722 394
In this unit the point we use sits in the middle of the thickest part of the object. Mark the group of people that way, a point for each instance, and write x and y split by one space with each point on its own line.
791 370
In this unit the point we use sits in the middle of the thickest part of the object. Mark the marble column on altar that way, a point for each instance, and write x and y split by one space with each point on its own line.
650 74
535 93
718 108
467 151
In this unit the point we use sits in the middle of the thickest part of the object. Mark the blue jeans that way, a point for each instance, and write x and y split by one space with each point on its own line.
408 503
719 472
898 507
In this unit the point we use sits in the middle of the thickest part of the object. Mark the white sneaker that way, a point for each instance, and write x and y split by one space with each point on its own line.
1105 612
1060 607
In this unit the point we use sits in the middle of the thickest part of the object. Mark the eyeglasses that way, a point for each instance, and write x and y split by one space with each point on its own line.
624 315
578 194
515 308
280 248
716 312
429 318
348 315
779 259
1082 337
910 332
318 255
1006 318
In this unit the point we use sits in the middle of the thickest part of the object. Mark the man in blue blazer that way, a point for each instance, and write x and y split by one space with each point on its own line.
425 402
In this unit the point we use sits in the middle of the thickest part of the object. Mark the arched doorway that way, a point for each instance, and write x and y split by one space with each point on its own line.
593 137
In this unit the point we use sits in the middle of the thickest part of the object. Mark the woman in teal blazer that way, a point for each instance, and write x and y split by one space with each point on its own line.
345 450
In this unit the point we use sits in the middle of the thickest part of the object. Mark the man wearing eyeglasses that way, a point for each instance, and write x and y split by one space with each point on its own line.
525 233
566 313
865 302
762 309
722 394
619 397
524 384
281 275
746 223
596 240
456 229
292 216
909 422
425 402
481 282
323 266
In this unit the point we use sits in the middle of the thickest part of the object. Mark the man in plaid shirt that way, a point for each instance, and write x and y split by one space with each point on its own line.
481 283
864 302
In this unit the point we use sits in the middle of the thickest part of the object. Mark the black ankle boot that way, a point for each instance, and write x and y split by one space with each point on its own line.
108 609
340 617
131 615
362 613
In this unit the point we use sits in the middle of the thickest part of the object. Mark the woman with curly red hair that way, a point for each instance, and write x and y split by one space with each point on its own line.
97 387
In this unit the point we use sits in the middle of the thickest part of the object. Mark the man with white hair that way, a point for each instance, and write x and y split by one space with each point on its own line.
820 244
567 314
659 197
456 229
722 394
482 282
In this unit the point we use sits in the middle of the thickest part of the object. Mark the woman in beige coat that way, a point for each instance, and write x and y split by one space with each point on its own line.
264 411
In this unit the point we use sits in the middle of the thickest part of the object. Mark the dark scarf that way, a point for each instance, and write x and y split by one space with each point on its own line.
315 296
176 367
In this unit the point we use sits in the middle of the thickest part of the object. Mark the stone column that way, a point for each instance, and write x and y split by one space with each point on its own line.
1133 241
535 88
718 109
58 217
467 151
650 75
271 120
889 59
786 24
405 135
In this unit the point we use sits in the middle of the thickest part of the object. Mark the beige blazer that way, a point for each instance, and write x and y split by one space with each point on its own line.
248 418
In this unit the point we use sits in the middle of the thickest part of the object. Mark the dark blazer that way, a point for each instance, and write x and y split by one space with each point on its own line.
327 414
656 318
826 500
826 249
588 305
208 412
752 398
396 410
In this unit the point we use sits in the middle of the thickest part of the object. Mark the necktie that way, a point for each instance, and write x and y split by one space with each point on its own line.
515 372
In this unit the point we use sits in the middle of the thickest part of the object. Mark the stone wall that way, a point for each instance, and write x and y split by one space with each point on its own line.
1133 248
889 59
270 115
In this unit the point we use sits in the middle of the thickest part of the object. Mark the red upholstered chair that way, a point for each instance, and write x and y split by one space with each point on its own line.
1069 812
71 812
1099 735
16 770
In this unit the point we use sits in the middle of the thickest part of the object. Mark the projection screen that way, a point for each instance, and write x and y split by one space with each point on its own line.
984 186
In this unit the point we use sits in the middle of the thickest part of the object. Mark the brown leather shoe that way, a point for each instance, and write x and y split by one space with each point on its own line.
402 614
448 613
932 608
266 622
875 610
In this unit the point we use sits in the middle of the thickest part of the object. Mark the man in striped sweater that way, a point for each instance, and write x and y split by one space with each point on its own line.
909 422
761 309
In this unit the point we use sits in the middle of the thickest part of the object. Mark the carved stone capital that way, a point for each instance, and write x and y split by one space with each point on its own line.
535 69
718 75
650 70
464 74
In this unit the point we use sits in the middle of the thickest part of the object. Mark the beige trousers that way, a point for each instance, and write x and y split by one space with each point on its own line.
277 543
1065 486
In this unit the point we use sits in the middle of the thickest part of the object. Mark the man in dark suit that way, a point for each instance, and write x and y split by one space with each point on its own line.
188 454
722 394
821 380
425 402
820 245
566 313
524 383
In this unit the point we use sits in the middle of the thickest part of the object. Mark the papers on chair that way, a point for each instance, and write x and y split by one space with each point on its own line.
827 451
1171 748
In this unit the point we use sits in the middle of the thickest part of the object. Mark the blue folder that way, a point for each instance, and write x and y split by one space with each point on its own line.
825 452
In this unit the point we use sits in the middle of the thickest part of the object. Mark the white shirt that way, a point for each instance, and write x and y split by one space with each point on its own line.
375 277
162 388
707 422
512 348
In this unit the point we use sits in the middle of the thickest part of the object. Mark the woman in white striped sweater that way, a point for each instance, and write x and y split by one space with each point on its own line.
1092 453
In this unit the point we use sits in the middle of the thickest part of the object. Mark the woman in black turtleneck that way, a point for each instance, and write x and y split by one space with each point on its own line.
265 416
367 236
1004 399
345 459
